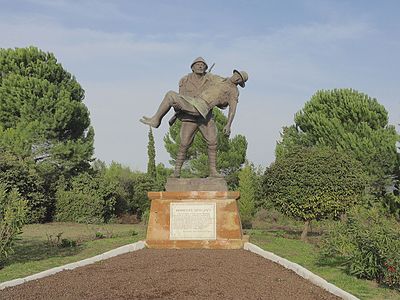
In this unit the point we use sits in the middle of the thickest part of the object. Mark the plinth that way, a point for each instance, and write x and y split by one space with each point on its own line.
194 219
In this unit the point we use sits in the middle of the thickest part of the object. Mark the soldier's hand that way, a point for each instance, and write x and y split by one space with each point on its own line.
227 130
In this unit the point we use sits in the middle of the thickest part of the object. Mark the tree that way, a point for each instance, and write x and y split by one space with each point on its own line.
151 152
44 102
231 153
314 183
349 121
43 119
248 191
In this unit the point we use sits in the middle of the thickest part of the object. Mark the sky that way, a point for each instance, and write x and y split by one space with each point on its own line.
128 54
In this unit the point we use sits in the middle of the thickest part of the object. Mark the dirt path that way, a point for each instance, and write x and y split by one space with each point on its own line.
174 274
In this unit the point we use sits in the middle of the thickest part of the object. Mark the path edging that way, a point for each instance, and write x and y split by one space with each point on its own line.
117 251
301 271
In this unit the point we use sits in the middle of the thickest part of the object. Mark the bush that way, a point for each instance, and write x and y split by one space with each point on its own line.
88 200
131 189
314 183
367 244
20 173
13 212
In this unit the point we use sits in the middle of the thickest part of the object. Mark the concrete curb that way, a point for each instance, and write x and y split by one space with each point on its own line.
118 251
301 271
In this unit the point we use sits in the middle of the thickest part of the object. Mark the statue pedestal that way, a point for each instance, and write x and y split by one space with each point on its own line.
194 219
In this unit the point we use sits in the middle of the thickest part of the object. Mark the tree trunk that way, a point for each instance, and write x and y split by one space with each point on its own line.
305 230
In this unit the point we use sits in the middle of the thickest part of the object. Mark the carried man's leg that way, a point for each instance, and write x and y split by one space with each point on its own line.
171 99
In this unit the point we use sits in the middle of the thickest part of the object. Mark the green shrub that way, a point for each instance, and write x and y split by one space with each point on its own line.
13 212
367 244
88 200
20 173
68 243
99 235
314 184
131 189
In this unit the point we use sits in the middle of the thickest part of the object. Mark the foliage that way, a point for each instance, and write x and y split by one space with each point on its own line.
368 244
22 175
131 188
151 152
348 121
89 199
44 102
314 183
248 191
391 203
162 175
142 185
13 210
231 153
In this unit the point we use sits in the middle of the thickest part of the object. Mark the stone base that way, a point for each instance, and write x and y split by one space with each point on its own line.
228 229
196 184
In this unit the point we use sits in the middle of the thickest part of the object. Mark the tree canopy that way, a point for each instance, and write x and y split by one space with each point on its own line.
346 120
314 183
41 110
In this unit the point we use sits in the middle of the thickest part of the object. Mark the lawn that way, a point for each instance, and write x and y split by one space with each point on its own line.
41 246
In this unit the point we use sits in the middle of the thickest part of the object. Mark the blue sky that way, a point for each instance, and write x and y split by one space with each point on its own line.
127 54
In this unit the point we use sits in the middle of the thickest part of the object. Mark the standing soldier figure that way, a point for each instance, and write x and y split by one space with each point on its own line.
192 85
199 93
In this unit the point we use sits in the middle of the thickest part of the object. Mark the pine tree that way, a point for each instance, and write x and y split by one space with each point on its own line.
44 124
151 152
348 121
42 114
248 190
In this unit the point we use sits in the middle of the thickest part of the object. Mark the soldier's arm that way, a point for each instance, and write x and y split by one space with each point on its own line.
231 115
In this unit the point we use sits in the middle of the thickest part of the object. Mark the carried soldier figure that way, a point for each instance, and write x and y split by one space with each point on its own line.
199 93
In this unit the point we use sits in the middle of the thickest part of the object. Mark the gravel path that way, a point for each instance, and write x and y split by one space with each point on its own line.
174 274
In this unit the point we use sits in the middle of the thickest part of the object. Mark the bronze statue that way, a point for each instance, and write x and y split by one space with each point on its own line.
199 93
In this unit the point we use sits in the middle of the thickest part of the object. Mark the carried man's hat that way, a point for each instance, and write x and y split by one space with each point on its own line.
199 59
244 76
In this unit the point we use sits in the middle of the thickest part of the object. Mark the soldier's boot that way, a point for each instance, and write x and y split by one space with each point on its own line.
162 110
180 158
212 162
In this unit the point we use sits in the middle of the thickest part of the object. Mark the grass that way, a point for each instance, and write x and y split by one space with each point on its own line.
286 243
38 248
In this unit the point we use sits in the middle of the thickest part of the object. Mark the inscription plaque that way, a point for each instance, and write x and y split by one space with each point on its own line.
192 221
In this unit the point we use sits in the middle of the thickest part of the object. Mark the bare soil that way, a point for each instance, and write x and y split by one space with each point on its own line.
174 274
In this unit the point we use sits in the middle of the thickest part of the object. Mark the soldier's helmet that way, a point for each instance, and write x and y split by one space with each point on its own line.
199 59
244 76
